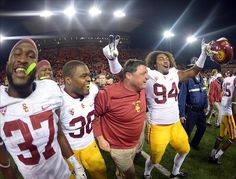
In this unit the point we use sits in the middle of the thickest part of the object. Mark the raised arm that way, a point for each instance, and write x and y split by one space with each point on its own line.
111 53
193 71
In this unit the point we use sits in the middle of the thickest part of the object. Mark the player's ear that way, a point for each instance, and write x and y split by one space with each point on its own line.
68 80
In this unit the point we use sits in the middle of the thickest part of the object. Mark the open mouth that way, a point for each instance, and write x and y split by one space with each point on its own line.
20 72
166 66
87 86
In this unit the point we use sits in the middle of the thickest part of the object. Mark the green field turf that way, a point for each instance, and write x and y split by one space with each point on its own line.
196 163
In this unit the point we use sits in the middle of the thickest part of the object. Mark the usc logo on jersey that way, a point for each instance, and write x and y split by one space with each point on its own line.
82 105
25 107
71 111
137 106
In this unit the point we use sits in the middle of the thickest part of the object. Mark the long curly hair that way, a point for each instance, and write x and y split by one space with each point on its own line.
152 57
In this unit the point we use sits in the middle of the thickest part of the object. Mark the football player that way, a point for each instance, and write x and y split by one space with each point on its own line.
162 100
77 114
227 125
44 70
29 120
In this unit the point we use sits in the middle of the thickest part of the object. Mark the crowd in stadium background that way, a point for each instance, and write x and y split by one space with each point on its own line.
88 48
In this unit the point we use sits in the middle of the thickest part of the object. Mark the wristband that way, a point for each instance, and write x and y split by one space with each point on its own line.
6 166
201 60
115 66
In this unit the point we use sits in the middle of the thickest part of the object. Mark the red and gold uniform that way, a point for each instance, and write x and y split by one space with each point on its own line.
227 124
28 128
76 121
165 127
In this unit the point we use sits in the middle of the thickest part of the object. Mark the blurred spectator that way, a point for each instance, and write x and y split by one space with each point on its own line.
214 72
110 80
215 98
101 80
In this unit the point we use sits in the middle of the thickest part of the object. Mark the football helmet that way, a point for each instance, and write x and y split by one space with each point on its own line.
221 51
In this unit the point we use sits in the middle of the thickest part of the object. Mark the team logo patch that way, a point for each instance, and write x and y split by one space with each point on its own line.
25 107
82 105
3 110
72 111
137 106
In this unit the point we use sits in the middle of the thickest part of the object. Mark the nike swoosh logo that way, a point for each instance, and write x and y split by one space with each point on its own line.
45 107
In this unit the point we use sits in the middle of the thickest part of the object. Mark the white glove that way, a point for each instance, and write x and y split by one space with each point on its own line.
78 168
206 48
110 51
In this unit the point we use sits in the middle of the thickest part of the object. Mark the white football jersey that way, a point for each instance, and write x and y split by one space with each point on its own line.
76 118
162 97
28 127
227 89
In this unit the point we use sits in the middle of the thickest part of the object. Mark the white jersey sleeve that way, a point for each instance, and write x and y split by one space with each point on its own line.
227 89
76 118
28 127
162 97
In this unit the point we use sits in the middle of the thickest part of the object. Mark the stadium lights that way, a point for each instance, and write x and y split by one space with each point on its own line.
191 39
70 11
45 13
1 38
168 34
94 11
119 14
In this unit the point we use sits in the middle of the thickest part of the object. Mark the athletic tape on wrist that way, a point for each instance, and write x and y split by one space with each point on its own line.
201 60
115 66
6 166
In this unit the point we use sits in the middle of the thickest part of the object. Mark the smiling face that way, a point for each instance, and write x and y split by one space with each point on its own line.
162 63
78 83
21 57
138 79
45 72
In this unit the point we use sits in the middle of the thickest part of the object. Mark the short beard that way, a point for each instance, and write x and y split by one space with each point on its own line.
24 87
